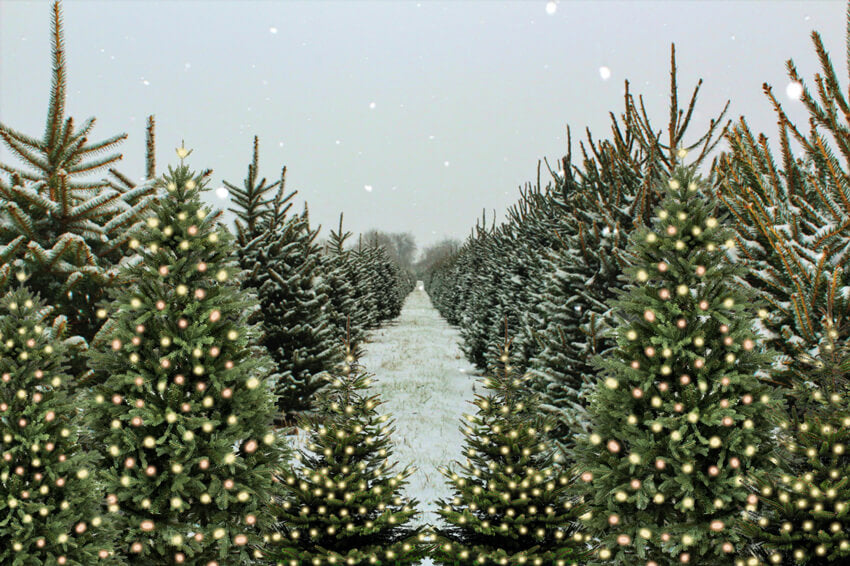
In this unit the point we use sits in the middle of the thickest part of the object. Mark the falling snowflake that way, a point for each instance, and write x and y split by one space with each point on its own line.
794 90
222 192
430 137
146 82
372 105
188 65
338 142
280 144
368 188
445 163
605 73
273 29
551 8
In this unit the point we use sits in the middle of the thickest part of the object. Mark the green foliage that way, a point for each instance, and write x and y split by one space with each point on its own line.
792 214
511 504
70 233
344 503
806 501
50 507
680 414
184 414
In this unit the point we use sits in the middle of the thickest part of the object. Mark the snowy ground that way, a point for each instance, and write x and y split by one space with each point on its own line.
426 385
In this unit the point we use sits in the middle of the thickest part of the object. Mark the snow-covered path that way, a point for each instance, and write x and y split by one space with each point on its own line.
426 385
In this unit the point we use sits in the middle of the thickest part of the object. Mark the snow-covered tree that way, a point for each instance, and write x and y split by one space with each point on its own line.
70 234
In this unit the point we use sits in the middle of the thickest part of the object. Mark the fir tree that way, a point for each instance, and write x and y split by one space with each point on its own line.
294 296
50 507
510 504
184 416
679 417
74 231
338 268
791 214
344 504
284 267
804 518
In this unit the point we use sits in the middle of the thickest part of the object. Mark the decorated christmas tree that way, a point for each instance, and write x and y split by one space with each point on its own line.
72 232
511 501
343 503
184 416
50 508
680 415
806 503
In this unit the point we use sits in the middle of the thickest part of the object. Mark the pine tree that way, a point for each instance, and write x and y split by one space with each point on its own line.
363 280
344 504
791 213
294 296
806 511
184 416
50 507
680 415
558 368
338 270
511 504
285 269
73 231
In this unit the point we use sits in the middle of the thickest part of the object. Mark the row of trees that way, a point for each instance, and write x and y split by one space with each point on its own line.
557 269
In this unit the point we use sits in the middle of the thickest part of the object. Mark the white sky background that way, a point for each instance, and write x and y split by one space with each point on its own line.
467 95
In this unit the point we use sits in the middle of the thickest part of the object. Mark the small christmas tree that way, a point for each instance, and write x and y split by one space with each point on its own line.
50 507
344 504
510 504
185 413
679 418
337 267
806 512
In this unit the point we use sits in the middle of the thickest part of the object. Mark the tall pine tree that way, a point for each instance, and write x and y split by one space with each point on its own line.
72 233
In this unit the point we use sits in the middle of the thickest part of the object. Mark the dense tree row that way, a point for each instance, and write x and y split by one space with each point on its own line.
790 234
147 351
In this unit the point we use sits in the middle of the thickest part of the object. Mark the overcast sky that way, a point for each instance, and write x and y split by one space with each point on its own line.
407 116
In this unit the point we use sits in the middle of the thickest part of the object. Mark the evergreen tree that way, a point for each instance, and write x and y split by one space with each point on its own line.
184 416
558 368
804 519
344 504
510 504
791 213
73 231
284 267
294 296
50 508
363 279
338 270
680 415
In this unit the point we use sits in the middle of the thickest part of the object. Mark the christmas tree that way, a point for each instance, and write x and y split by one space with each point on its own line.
680 416
804 519
50 507
72 232
184 416
338 268
344 503
511 502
